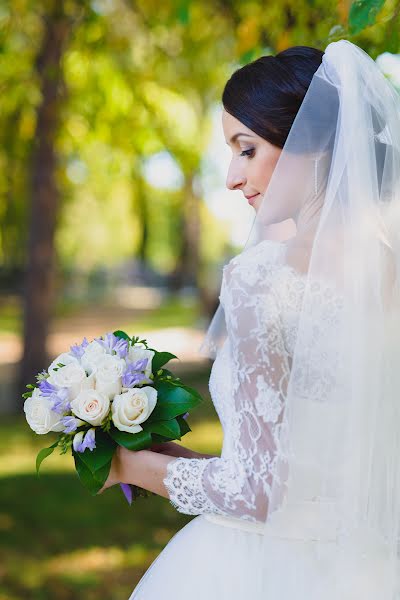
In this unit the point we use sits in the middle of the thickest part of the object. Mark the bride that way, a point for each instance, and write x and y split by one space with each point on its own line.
304 501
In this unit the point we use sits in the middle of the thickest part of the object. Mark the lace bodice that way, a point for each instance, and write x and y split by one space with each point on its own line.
248 386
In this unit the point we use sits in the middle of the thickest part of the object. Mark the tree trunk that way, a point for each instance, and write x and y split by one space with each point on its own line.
40 264
187 267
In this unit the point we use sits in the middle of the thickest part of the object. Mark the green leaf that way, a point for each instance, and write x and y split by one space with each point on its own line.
101 455
44 453
170 429
122 334
132 441
363 14
160 359
159 439
173 400
183 426
92 481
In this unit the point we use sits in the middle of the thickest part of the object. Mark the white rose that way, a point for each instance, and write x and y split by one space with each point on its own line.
73 377
108 374
93 352
41 418
65 358
137 353
133 407
91 406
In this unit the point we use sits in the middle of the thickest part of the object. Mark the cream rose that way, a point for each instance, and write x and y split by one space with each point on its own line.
91 406
108 374
93 352
137 353
39 415
133 407
73 377
65 358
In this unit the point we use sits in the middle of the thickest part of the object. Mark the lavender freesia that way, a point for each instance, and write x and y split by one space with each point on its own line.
112 342
80 443
60 401
133 374
71 424
47 389
78 350
57 396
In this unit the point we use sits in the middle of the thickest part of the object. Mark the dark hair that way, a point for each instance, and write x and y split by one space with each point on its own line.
266 94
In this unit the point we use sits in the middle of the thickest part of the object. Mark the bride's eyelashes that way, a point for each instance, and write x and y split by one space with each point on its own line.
249 152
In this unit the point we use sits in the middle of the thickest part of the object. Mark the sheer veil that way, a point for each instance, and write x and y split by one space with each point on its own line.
333 205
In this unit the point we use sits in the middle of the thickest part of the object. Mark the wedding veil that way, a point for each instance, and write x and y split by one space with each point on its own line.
333 202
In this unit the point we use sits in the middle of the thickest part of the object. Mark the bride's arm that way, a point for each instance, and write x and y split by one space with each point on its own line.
174 449
144 468
147 468
239 483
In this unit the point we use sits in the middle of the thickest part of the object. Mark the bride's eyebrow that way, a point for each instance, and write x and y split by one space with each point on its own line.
236 135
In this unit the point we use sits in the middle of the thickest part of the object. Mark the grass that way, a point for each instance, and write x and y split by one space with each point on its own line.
58 542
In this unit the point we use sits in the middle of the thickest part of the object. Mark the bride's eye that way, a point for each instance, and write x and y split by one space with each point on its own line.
248 152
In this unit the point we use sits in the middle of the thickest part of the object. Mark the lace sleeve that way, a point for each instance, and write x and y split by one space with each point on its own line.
239 485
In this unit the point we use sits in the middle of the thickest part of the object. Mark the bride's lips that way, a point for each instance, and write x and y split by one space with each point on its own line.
251 199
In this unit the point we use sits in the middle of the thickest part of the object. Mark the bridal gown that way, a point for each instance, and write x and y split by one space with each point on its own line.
211 557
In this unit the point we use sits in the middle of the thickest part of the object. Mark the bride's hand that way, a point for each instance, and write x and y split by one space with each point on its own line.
116 470
124 461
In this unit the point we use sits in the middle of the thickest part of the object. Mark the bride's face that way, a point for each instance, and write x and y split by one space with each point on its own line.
253 160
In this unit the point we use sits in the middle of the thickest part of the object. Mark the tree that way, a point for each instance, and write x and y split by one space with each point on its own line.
44 204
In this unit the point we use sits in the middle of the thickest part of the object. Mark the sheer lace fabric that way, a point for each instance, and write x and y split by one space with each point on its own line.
248 385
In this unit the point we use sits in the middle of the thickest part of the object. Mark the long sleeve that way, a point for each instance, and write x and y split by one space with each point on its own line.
239 484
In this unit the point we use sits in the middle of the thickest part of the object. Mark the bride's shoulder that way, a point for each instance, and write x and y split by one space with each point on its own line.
268 254
255 269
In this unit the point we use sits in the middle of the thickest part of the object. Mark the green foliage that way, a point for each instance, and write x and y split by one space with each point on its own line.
183 425
44 453
92 480
168 429
131 441
160 359
100 456
363 13
122 334
121 109
173 400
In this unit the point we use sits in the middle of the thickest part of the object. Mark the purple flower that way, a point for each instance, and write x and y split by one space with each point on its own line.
79 350
60 401
112 342
140 365
133 374
47 389
57 396
71 424
80 443
126 488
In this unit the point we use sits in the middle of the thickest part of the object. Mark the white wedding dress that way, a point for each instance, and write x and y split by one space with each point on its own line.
211 557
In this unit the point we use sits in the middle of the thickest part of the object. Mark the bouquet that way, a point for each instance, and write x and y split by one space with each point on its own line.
114 390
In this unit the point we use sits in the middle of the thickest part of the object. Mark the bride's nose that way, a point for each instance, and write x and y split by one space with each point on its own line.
235 178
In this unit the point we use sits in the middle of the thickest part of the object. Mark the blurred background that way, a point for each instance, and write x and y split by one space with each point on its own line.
114 215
